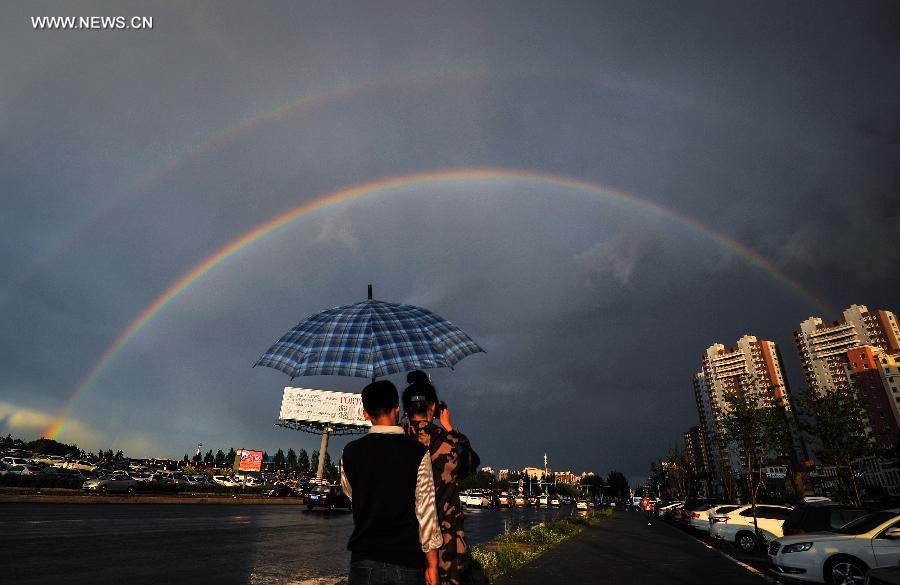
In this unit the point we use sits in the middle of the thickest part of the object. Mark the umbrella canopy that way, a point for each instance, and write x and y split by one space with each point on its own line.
368 340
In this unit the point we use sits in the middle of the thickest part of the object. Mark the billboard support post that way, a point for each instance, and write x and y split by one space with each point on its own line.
323 449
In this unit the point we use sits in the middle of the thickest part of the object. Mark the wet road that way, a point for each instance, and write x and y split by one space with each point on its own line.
174 544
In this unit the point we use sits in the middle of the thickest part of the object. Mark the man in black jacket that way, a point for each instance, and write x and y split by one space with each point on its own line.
388 477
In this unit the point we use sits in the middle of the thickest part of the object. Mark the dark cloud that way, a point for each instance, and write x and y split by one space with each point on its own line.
776 125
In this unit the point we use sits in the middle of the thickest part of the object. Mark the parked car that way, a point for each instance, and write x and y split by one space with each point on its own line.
327 496
22 470
669 509
110 483
693 513
49 459
842 556
247 480
582 505
520 502
737 526
820 517
280 490
554 501
81 464
505 500
223 481
718 511
10 461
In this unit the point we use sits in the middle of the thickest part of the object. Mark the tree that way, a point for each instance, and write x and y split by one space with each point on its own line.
656 480
279 460
618 484
755 427
314 463
303 461
219 460
678 472
119 456
230 457
208 458
186 458
836 425
478 480
291 461
592 485
331 471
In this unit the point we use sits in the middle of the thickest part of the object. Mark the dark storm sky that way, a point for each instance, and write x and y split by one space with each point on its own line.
128 157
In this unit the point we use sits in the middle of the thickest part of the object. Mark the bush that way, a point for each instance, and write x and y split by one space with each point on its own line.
513 550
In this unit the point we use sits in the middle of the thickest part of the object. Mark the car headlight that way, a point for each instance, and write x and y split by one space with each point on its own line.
798 547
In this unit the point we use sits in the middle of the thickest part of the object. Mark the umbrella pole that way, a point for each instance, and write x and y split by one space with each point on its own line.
323 448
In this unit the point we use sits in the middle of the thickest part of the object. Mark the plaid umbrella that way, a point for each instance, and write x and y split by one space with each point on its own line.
368 340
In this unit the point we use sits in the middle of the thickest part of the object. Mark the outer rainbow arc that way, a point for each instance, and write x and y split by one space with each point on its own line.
277 222
226 136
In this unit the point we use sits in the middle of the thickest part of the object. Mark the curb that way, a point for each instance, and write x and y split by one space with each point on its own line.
753 570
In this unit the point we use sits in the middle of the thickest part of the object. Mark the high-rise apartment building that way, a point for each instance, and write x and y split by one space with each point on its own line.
734 369
695 448
823 347
874 374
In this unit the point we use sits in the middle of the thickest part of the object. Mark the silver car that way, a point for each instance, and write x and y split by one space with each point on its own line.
111 483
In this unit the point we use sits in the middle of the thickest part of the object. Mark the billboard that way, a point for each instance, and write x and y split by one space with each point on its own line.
322 406
247 460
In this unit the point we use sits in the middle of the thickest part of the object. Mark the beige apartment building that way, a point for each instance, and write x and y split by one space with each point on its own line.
734 369
822 347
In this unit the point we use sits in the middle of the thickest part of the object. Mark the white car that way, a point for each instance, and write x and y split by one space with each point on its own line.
717 510
667 508
10 461
478 500
81 465
247 480
22 470
57 460
840 557
224 481
736 526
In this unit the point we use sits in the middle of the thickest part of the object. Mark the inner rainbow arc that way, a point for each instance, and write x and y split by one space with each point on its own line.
469 174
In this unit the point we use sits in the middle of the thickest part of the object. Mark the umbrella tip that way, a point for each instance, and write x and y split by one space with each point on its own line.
370 291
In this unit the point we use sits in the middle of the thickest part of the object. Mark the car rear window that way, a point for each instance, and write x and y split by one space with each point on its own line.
770 512
839 518
866 523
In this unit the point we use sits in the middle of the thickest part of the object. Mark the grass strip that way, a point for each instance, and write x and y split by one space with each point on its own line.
513 550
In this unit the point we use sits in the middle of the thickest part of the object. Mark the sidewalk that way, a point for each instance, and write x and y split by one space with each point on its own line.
624 550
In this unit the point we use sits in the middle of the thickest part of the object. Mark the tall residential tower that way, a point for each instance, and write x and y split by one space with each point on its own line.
733 369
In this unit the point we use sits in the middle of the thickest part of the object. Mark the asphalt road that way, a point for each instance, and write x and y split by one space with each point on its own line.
193 544
623 550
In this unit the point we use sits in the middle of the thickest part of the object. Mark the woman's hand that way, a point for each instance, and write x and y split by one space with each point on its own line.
444 417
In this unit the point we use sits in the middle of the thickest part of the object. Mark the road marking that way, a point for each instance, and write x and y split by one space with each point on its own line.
756 572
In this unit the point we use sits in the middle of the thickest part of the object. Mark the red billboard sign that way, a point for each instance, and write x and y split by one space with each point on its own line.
249 460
